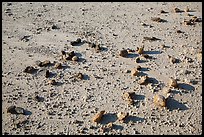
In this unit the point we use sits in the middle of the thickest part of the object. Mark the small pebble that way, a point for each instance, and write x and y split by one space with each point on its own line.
74 58
123 53
58 66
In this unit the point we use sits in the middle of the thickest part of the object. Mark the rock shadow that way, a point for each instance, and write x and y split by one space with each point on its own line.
86 77
108 117
78 54
103 49
173 104
153 80
65 67
174 91
152 52
81 60
51 75
134 119
131 55
142 74
27 112
118 127
142 61
59 83
186 87
138 97
144 69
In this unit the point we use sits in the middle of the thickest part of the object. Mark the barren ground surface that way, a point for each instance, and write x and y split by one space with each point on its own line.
40 31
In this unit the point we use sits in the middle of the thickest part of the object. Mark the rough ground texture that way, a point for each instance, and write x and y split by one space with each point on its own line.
40 31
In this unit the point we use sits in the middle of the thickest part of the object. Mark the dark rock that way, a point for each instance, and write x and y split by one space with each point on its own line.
29 69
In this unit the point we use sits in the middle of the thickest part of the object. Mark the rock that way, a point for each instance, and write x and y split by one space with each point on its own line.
47 74
140 50
122 115
70 55
55 27
80 76
162 11
137 60
52 82
58 66
173 83
75 43
159 101
97 118
134 72
143 80
150 38
74 58
157 19
123 53
110 125
30 69
187 9
44 63
172 59
128 96
63 53
127 71
15 110
199 56
179 31
177 10
139 67
39 99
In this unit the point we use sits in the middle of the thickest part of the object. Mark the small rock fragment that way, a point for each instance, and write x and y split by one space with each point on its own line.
172 59
176 10
159 101
97 118
15 110
80 76
58 66
30 69
122 115
157 19
139 67
47 74
179 31
128 96
63 52
52 82
75 58
151 38
173 83
44 63
134 72
137 60
55 27
199 56
75 43
110 125
39 99
187 9
123 53
143 80
140 50
162 11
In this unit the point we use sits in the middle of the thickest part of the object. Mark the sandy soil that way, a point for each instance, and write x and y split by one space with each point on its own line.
40 31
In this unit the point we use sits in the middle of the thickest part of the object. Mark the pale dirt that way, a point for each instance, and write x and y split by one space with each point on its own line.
81 100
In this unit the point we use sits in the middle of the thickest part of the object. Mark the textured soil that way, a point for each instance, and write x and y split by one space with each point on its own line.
40 31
